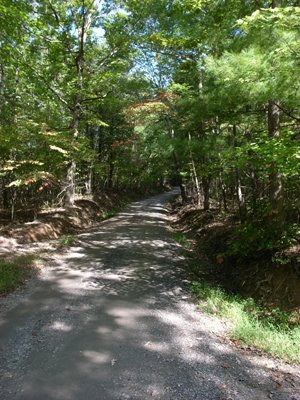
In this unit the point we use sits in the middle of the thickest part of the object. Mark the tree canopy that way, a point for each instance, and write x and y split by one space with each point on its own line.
118 94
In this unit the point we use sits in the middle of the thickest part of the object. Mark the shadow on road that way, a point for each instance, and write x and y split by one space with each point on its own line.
114 321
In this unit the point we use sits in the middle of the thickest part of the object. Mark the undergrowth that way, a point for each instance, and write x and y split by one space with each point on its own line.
275 332
181 238
110 213
256 236
67 240
13 272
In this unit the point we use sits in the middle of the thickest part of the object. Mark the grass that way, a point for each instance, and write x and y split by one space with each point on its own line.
275 332
181 238
109 214
13 272
66 240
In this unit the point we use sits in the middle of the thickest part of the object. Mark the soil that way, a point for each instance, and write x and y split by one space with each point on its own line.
259 276
55 222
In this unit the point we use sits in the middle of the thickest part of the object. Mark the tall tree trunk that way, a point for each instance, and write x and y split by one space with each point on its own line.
194 174
254 193
179 178
276 190
13 151
82 29
90 164
223 192
89 180
206 192
176 162
110 170
100 145
71 171
239 190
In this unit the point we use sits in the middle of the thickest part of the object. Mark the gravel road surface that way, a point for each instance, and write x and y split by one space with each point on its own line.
112 318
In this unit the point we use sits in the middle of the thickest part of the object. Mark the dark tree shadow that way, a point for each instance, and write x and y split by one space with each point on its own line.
115 321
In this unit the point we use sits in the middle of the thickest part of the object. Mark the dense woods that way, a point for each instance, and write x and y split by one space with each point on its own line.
119 95
106 101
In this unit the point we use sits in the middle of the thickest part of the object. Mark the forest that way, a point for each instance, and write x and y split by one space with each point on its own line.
130 97
100 96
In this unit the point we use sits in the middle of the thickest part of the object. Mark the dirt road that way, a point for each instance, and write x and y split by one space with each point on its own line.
112 319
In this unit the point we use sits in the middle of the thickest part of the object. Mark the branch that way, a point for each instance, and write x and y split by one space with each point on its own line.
37 74
107 58
96 98
286 112
56 16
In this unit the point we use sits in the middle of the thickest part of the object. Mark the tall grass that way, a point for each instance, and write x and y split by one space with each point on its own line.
274 332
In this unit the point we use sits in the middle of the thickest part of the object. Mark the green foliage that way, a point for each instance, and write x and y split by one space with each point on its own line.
67 240
256 236
13 272
271 331
181 238
129 95
110 213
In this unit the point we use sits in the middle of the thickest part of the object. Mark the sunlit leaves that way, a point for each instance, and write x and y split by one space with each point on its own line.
286 17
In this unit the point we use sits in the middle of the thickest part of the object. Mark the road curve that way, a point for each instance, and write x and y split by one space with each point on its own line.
113 320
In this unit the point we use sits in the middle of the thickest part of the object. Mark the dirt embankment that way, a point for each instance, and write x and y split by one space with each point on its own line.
53 223
271 278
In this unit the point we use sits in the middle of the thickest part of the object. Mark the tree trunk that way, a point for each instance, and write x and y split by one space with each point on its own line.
13 151
239 191
206 192
223 192
70 188
176 162
110 170
179 179
276 191
82 29
254 190
240 196
69 185
195 176
89 181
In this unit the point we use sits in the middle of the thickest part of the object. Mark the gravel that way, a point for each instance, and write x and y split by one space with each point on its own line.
112 318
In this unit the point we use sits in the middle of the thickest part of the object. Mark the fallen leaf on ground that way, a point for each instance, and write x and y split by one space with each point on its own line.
225 366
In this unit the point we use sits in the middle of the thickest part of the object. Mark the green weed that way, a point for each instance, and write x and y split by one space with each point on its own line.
181 238
270 331
67 240
13 272
109 214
